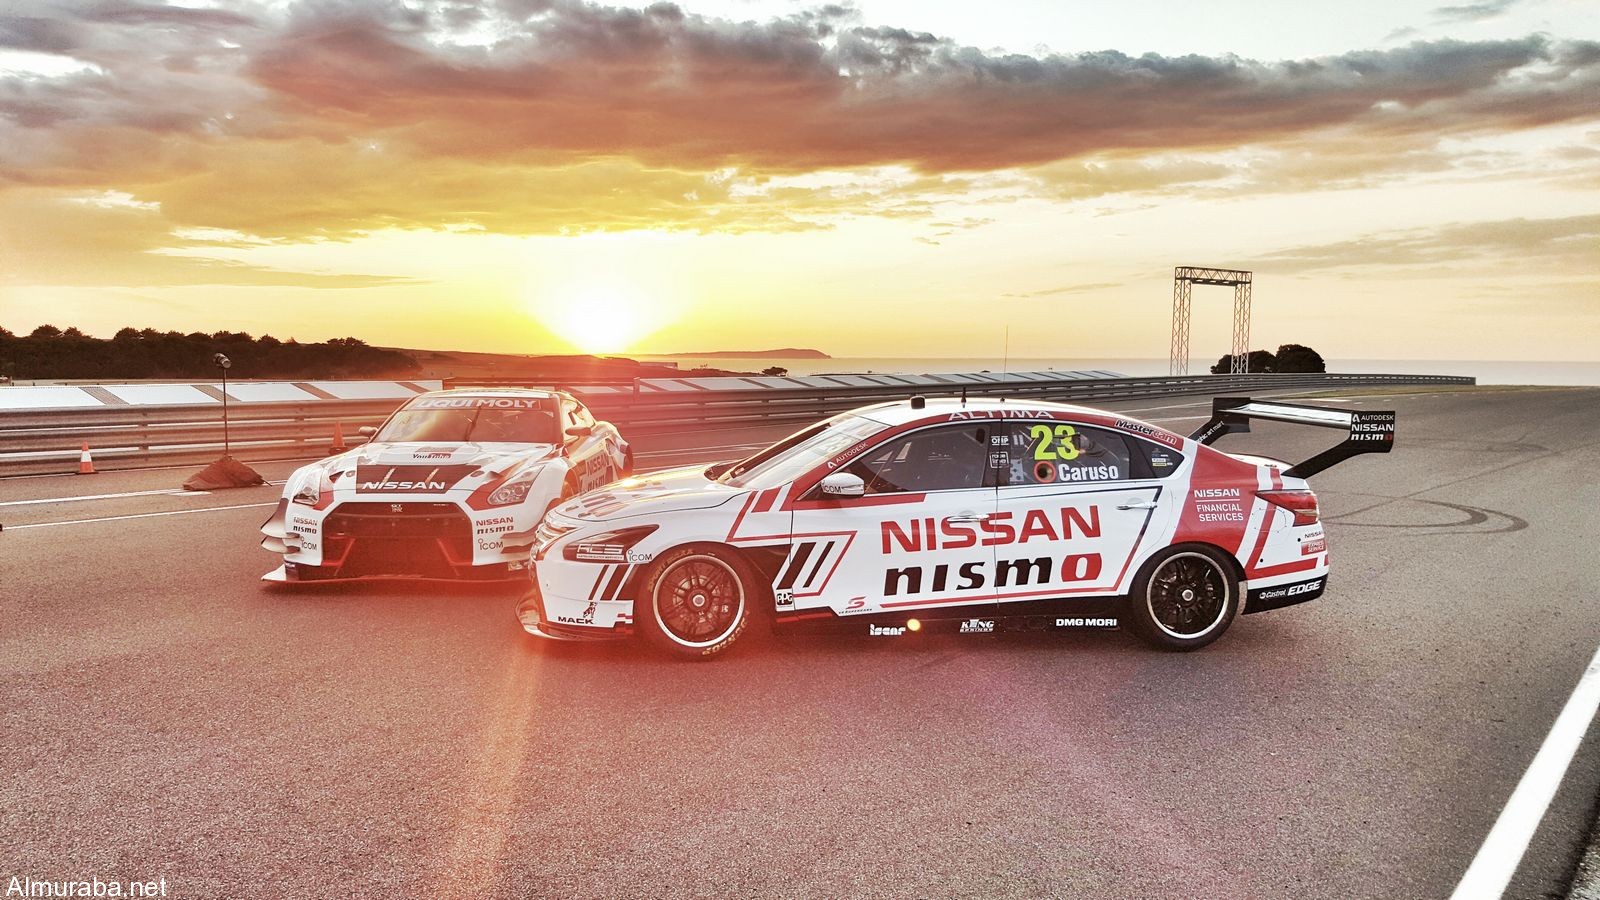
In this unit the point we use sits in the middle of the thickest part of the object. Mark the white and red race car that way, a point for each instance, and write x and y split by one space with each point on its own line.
949 515
451 486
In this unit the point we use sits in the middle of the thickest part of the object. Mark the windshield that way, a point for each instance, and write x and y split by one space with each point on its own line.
800 452
512 420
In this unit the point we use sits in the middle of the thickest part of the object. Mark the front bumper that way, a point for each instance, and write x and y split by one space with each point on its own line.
300 573
537 622
359 540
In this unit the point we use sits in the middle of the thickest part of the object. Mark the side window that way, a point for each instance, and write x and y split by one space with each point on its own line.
1049 451
582 416
943 458
1158 460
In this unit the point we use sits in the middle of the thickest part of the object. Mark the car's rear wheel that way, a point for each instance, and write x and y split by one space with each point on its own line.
695 601
1185 598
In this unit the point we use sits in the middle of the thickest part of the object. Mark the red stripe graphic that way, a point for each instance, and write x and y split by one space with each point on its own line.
1299 565
1261 538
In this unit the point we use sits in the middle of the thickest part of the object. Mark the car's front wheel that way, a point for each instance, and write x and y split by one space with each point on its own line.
695 601
1185 598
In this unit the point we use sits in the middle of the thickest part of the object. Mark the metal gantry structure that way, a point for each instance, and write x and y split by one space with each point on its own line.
1183 280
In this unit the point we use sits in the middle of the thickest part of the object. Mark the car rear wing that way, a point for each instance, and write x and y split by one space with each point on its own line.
1366 431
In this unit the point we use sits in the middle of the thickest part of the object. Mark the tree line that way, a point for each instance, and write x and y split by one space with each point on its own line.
1289 358
49 352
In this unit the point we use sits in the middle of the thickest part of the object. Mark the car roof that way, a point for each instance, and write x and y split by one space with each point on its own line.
938 409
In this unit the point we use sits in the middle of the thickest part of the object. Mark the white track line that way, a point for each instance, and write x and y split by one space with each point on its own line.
81 498
171 512
170 492
1502 850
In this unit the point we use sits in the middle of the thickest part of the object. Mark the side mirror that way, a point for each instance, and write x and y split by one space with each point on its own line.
580 431
367 431
842 484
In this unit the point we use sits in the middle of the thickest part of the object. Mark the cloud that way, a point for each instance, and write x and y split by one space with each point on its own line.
671 88
1097 177
567 80
1473 12
1067 289
328 118
1536 246
320 189
109 242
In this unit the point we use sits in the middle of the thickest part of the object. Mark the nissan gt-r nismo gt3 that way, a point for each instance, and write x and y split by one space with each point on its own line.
451 486
946 515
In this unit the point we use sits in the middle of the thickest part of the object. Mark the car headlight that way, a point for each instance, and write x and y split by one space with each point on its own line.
511 494
609 546
310 491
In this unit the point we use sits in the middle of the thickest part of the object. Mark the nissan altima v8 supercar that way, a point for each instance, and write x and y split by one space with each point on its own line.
452 486
947 515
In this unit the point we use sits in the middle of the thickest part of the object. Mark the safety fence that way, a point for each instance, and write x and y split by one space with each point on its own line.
47 440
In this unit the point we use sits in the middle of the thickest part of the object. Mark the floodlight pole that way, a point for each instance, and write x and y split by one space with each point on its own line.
224 364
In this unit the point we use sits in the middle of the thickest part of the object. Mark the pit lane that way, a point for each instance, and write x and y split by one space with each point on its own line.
165 715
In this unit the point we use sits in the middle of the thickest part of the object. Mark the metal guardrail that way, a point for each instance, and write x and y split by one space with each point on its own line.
46 441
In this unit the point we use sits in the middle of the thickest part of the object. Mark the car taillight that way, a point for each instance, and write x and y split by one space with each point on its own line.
1302 503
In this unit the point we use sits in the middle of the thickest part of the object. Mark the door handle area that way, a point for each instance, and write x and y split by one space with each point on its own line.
968 518
1148 504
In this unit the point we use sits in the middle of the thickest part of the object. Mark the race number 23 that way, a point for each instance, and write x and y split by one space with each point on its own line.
1053 443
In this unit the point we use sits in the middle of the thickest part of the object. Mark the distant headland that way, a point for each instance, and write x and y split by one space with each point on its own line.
50 353
782 353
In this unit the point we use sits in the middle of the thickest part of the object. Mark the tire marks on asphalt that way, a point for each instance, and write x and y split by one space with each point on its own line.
1478 519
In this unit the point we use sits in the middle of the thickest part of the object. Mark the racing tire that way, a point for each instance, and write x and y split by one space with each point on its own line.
1184 598
694 602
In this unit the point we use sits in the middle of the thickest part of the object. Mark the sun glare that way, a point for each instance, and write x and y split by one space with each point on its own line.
596 318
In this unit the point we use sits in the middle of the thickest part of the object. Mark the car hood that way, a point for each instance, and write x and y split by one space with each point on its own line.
658 492
416 467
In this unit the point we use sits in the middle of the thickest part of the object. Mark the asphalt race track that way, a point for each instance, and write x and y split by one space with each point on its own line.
166 715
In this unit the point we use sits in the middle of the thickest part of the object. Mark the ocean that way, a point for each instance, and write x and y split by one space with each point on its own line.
1486 371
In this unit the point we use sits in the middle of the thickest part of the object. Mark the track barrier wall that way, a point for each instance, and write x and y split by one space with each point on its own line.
43 428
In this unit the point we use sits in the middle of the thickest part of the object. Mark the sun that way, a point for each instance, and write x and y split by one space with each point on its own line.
597 318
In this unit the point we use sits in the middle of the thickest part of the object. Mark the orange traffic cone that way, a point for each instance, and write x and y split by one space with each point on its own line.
338 439
85 462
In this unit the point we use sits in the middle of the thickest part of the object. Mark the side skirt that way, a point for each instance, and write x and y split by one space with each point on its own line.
1095 614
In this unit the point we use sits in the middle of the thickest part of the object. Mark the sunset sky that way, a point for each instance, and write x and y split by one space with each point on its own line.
892 178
